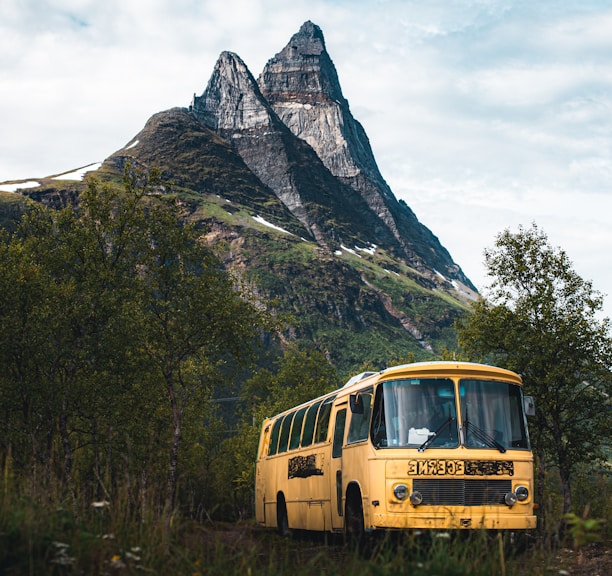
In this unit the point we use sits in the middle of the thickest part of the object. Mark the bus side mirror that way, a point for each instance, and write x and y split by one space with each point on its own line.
356 404
529 404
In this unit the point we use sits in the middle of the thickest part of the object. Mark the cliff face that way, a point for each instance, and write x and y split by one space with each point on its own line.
302 86
233 106
295 131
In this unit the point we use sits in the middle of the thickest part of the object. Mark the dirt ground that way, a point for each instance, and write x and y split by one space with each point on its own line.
592 560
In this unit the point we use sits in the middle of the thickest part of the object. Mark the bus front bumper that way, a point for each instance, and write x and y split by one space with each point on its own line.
445 521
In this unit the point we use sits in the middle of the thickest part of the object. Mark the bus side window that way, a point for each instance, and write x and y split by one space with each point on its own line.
323 420
284 435
339 433
296 429
309 425
360 422
274 437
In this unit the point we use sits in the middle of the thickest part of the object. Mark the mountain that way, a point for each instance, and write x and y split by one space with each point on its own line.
283 182
301 84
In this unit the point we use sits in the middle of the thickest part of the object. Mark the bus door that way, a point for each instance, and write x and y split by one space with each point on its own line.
337 491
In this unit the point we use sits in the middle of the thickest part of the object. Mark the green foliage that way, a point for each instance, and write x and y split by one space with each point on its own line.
12 208
303 374
583 529
595 487
351 308
540 320
115 324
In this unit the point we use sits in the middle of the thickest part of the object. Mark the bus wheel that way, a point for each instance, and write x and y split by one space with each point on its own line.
353 518
282 520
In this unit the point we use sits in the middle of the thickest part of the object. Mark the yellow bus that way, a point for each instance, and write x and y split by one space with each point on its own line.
430 445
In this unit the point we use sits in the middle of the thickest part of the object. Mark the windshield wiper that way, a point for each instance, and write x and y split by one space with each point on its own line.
481 435
429 440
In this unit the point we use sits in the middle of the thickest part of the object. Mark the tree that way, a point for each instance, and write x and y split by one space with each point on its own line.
115 320
70 323
193 317
540 320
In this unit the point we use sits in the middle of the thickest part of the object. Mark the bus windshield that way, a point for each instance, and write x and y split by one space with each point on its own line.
415 413
422 414
492 414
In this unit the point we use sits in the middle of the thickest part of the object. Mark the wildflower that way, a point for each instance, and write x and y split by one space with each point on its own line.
116 562
101 504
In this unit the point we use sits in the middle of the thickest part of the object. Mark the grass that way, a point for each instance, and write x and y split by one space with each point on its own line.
55 541
42 539
43 532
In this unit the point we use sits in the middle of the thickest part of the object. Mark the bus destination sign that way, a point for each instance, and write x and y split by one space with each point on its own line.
460 468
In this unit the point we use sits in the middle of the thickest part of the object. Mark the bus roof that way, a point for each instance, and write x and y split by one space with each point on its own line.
452 368
428 369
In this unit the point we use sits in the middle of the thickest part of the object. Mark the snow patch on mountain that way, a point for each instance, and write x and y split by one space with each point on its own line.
78 174
18 186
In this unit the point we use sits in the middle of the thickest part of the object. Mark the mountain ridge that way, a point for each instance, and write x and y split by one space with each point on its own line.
312 226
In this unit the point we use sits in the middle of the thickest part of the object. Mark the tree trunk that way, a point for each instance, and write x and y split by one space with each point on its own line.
68 452
566 487
173 465
177 417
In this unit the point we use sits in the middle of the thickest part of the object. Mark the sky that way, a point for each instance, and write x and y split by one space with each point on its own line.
483 115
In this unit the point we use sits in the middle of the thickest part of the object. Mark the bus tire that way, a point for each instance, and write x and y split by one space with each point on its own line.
282 520
353 517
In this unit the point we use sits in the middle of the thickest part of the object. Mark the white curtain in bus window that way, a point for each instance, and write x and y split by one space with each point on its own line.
492 414
418 410
309 425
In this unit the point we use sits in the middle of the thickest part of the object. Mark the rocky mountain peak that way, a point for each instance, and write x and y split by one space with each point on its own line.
294 130
303 67
232 100
281 177
301 84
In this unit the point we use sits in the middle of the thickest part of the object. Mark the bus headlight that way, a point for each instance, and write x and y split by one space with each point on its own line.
510 499
522 493
401 491
416 498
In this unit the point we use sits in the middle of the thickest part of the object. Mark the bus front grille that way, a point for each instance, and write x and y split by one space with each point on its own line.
457 492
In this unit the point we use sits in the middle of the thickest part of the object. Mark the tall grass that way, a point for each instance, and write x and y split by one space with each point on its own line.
44 530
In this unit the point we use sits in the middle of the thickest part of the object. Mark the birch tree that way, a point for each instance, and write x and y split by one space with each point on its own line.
542 320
